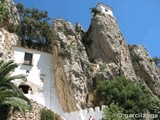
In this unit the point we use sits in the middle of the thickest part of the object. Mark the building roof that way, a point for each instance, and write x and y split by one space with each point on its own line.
104 5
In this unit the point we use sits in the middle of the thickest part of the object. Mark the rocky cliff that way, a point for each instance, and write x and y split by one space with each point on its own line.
145 68
105 42
83 58
70 65
8 39
11 15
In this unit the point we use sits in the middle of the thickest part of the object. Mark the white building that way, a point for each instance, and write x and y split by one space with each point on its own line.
104 9
39 82
39 85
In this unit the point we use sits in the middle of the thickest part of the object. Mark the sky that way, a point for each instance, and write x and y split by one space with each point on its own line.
139 20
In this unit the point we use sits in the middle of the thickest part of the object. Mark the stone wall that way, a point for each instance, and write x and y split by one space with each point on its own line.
34 114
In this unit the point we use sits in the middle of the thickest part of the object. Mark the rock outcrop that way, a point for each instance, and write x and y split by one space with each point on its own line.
145 67
7 40
11 15
82 59
70 65
105 42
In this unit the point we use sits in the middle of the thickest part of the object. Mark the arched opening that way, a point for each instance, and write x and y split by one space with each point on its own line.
25 88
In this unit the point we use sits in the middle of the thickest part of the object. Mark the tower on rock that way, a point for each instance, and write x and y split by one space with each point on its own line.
104 9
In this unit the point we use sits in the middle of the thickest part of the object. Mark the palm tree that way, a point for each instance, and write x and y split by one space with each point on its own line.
11 97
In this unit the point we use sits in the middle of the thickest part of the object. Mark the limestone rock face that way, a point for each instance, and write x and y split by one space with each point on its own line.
70 65
105 42
82 59
145 67
7 40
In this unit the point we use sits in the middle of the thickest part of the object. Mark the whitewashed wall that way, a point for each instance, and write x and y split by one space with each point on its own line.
85 114
103 9
43 91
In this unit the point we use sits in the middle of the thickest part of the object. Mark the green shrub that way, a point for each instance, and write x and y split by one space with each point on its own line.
132 97
113 112
47 114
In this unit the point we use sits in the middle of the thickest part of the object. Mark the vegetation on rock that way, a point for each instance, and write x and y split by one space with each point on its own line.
47 114
113 112
11 97
132 97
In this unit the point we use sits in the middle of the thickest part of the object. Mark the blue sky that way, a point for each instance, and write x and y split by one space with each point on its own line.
139 20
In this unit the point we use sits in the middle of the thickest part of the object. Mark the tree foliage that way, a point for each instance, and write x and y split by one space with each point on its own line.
113 112
34 30
11 97
132 97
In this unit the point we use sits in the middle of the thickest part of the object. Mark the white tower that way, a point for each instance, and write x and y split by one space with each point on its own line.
104 9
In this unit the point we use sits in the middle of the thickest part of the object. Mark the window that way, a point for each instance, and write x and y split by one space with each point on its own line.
106 10
28 59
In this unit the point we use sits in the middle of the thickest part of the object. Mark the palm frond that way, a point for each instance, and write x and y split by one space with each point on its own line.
9 79
16 102
10 94
9 86
4 94
6 68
